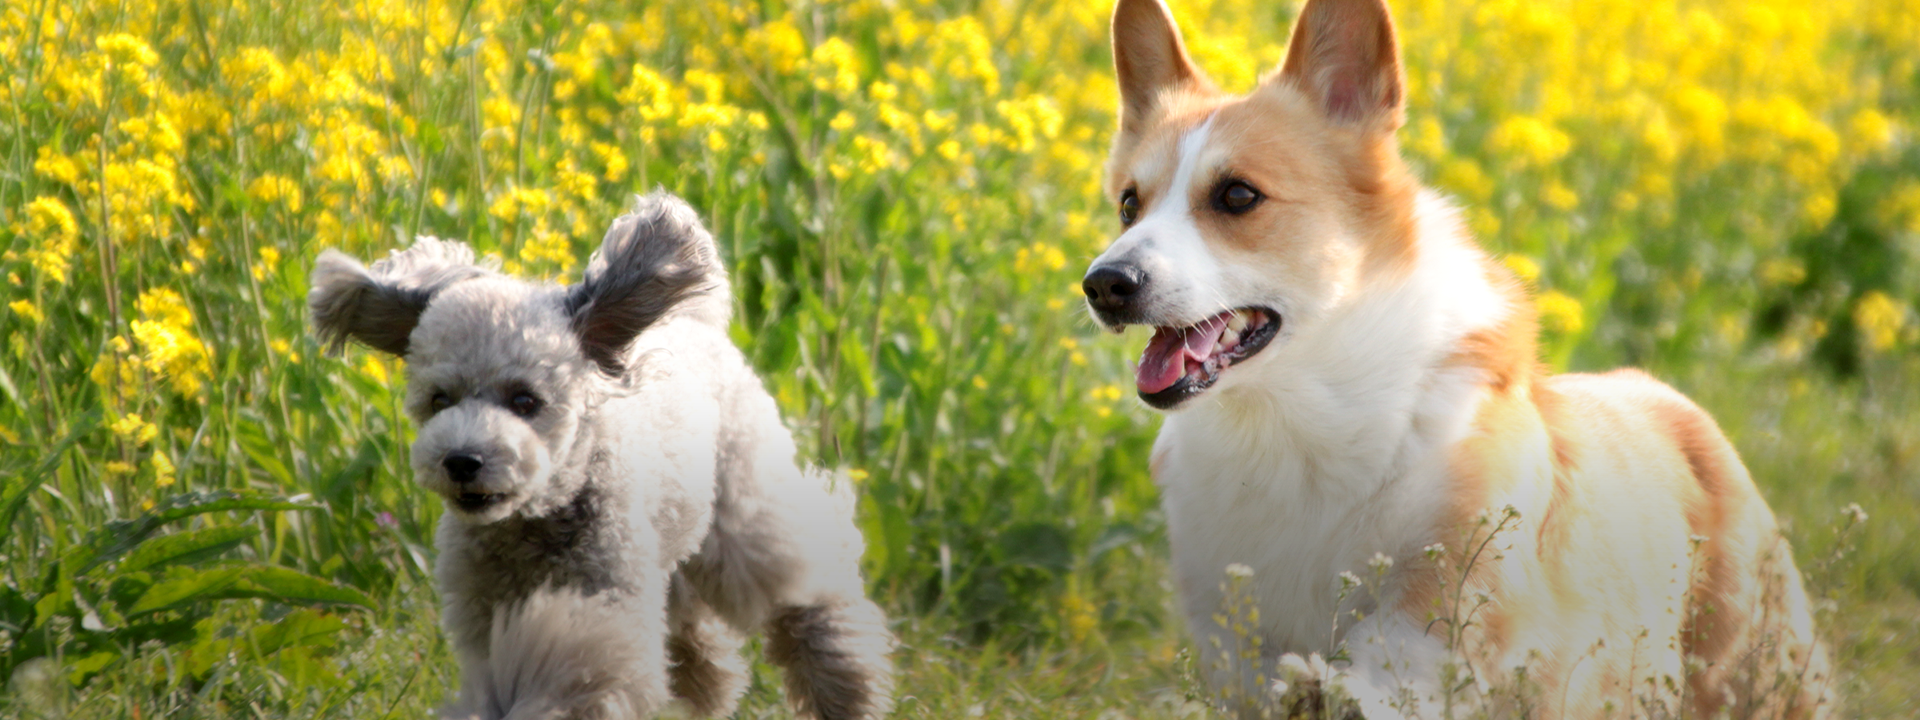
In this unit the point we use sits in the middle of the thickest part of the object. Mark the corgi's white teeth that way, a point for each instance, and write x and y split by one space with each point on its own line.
1237 323
1230 337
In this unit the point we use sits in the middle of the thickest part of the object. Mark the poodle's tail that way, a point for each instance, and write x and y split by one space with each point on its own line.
561 654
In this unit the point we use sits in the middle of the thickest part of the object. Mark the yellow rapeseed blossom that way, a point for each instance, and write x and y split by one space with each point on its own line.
1080 618
1561 313
835 68
132 428
1522 266
165 333
55 238
26 310
275 189
1880 319
162 469
1530 140
373 368
268 263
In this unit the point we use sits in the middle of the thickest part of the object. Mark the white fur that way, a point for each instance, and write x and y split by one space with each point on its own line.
652 500
1168 246
1326 448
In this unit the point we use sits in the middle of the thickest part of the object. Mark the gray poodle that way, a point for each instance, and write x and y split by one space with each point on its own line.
622 498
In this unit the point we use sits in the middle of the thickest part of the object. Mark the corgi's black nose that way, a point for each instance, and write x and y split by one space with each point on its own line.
462 467
1112 287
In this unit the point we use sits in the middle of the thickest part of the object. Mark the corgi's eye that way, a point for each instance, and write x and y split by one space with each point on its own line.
1129 207
1236 197
524 404
440 401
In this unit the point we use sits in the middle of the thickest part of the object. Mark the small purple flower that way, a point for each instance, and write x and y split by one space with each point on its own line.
385 520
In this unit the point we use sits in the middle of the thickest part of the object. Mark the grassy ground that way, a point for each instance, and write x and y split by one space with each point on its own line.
205 517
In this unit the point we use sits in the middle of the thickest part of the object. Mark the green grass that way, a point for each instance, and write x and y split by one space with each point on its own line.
906 194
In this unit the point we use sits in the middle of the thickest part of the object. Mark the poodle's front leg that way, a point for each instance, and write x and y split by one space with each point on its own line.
784 555
707 669
835 656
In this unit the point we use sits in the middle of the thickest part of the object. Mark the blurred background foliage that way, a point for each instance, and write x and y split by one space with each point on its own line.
1727 192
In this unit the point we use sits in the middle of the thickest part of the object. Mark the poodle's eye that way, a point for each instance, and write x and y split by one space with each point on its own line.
1129 207
525 404
1237 197
440 401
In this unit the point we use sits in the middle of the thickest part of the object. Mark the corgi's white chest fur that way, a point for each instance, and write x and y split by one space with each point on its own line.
1328 449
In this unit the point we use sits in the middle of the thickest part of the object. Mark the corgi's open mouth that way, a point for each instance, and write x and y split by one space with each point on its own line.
1180 362
475 502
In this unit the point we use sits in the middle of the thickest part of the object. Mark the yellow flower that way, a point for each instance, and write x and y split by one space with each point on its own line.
54 166
1530 140
1880 319
58 237
165 332
611 158
1561 313
271 188
1782 272
132 428
126 49
373 368
269 261
1465 177
1080 617
835 67
1559 196
162 468
25 309
1523 266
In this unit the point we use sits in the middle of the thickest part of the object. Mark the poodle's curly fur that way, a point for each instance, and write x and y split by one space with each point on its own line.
622 498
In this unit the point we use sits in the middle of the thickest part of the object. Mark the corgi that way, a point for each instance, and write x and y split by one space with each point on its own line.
1351 382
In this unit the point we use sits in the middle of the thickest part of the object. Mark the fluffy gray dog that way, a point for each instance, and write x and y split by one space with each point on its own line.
622 499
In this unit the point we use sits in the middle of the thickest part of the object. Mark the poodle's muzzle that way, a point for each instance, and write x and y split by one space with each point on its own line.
482 460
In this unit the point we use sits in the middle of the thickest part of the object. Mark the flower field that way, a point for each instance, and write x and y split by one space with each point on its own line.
203 515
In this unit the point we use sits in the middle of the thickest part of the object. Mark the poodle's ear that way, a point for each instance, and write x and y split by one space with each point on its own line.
380 305
652 260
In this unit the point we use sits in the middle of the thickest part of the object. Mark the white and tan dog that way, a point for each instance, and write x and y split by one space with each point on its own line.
622 499
1347 373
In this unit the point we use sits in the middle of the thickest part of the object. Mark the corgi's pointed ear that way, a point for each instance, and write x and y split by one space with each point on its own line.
381 305
1344 55
654 260
1149 60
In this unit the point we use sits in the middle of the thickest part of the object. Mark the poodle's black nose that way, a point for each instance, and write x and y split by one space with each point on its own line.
461 467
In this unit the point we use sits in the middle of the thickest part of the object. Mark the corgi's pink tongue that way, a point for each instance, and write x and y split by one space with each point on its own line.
1173 352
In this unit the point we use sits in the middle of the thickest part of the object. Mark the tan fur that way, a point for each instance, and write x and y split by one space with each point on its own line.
1645 549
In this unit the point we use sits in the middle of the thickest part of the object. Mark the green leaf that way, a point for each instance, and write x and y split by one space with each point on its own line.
290 585
186 547
301 627
1039 545
79 670
185 586
121 536
262 451
16 611
13 496
1115 536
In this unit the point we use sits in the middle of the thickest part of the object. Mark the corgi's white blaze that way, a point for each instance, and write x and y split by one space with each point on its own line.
1166 243
1328 446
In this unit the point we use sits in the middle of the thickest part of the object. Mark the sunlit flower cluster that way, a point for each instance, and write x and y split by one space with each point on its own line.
162 161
